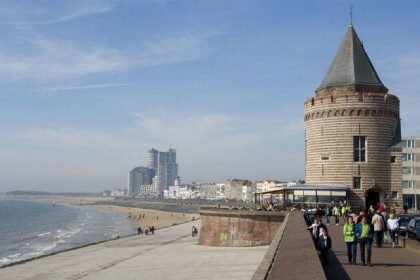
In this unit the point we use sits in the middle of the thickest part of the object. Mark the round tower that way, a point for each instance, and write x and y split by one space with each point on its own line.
352 130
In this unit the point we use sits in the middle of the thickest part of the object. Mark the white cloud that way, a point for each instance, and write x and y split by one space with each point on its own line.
47 59
82 87
72 138
36 12
176 48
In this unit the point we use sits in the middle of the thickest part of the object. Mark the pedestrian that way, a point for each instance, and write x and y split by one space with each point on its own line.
405 207
152 230
328 214
349 231
139 231
319 229
364 235
378 226
324 246
314 228
392 226
336 213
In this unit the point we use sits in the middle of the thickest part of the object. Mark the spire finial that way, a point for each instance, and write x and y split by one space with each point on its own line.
351 15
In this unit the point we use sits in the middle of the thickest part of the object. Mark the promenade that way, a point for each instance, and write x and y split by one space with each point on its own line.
169 254
173 254
388 263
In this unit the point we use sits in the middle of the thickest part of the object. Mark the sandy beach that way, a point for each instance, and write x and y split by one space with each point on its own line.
148 217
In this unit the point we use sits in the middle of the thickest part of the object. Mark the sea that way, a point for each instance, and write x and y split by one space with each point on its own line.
30 229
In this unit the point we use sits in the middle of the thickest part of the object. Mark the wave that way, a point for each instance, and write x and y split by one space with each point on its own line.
44 234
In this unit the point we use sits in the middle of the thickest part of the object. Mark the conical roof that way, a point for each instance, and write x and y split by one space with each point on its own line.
351 65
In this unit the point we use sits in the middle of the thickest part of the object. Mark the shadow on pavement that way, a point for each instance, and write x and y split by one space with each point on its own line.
335 270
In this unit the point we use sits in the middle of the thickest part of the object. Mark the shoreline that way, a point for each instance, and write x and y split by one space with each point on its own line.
156 218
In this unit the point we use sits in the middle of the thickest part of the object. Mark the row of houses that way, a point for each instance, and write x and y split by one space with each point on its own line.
236 189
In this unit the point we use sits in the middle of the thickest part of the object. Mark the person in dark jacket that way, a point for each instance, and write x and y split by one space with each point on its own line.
324 245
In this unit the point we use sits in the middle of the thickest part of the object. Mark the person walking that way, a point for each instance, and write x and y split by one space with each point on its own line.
378 226
364 234
314 228
392 226
336 213
324 245
328 214
349 231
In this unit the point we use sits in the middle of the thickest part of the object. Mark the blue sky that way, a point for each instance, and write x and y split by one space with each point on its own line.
88 87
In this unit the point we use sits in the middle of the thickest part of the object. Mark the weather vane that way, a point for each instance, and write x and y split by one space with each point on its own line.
351 14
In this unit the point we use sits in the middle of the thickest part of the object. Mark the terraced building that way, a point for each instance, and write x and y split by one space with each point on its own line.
352 130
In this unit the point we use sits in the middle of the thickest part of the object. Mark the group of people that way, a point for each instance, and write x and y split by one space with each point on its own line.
146 231
362 229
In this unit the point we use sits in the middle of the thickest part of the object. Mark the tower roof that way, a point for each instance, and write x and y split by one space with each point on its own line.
351 65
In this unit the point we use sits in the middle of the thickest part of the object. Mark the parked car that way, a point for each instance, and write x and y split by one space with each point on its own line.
413 228
402 223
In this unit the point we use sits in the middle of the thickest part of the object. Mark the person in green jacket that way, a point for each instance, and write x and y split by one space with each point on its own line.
349 230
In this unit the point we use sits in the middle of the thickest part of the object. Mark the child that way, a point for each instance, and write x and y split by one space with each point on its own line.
324 245
314 228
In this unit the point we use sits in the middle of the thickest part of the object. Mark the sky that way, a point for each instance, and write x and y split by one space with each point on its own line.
88 87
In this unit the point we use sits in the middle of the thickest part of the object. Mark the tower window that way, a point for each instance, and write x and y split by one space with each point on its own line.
357 183
393 159
359 148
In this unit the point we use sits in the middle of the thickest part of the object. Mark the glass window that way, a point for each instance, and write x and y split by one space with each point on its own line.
408 143
393 158
357 183
407 170
359 147
408 157
408 184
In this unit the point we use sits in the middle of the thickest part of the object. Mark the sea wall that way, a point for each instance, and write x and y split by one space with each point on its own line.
238 228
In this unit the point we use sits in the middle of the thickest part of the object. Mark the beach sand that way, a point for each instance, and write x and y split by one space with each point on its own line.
158 219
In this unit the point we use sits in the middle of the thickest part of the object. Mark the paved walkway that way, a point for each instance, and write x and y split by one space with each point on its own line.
388 263
169 254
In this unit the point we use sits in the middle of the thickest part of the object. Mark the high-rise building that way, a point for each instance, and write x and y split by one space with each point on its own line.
137 177
166 172
152 158
352 128
411 171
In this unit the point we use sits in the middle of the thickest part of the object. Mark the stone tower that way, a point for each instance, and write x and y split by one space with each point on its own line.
352 130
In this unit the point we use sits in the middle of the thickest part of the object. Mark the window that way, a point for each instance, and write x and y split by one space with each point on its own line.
393 158
357 183
408 157
359 148
408 170
394 194
408 184
408 143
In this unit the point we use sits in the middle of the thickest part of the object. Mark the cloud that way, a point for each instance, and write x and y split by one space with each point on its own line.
47 59
82 87
72 138
38 12
173 49
53 59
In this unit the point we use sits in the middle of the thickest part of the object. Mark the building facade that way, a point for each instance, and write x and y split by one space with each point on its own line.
166 172
137 177
411 171
352 131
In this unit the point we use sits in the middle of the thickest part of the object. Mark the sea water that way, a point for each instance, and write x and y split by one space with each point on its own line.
31 229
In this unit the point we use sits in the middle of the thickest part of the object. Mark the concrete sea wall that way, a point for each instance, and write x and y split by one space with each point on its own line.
238 228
